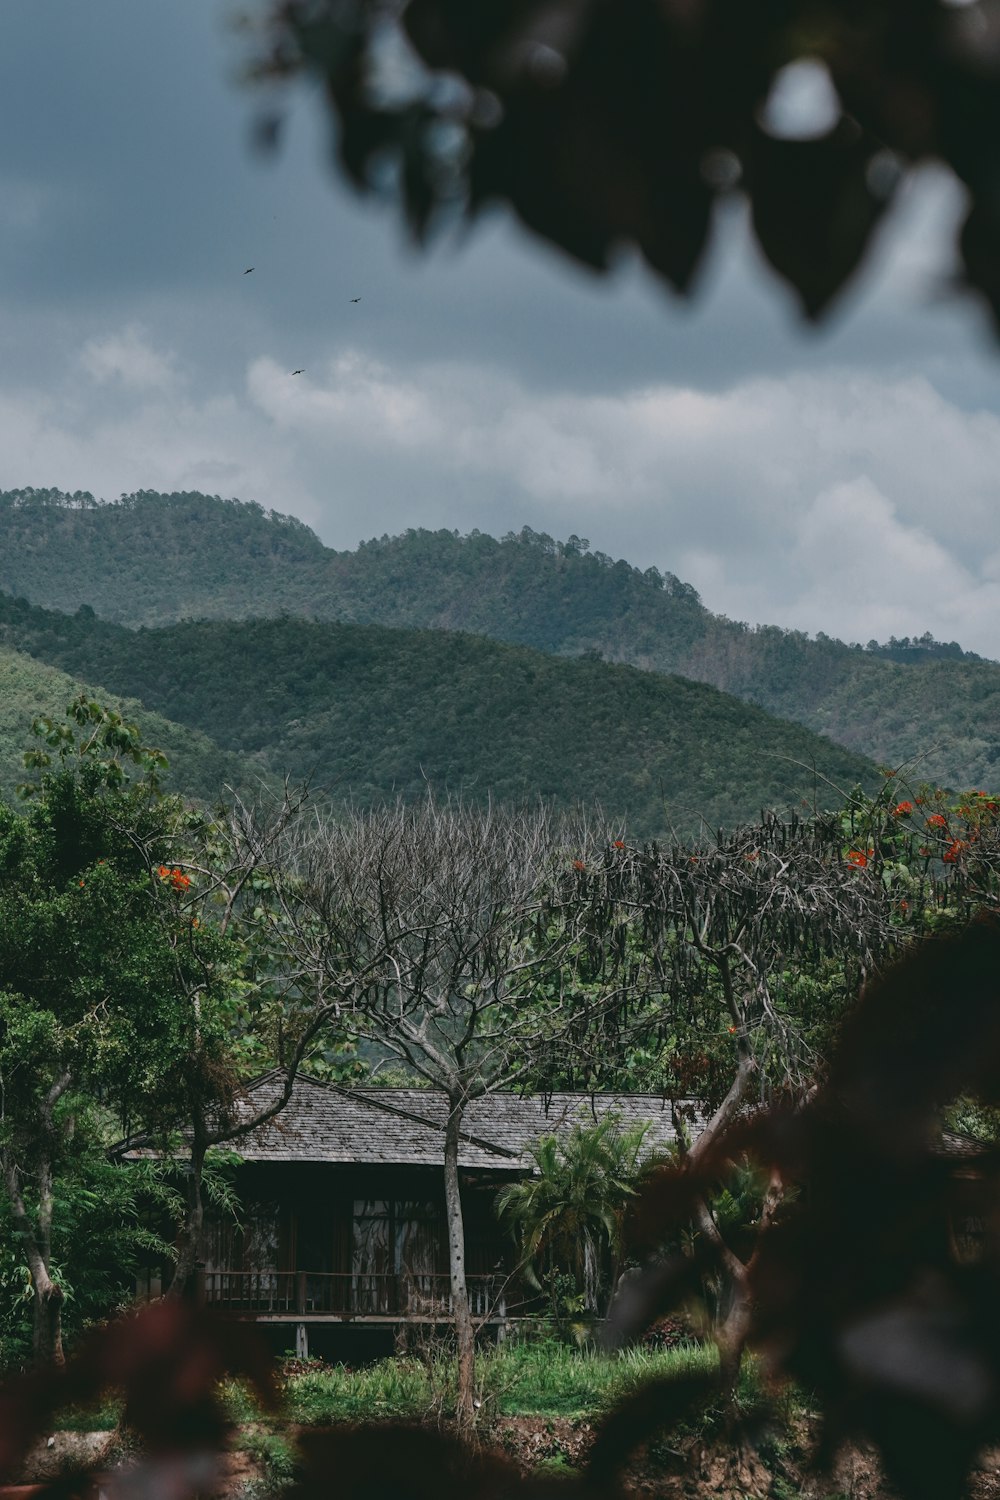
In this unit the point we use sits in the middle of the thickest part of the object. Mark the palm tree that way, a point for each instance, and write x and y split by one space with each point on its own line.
568 1214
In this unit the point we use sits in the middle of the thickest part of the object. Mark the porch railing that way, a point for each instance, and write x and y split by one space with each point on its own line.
347 1293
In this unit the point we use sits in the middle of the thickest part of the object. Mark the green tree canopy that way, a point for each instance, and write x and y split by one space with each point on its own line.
110 990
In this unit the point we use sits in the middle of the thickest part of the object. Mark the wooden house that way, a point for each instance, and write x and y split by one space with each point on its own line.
341 1243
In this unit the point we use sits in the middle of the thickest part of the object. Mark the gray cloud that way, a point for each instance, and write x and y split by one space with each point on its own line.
862 506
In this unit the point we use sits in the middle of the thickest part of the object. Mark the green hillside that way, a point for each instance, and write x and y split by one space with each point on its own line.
29 688
154 559
370 713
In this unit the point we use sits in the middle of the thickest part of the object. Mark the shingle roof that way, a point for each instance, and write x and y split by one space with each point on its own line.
325 1123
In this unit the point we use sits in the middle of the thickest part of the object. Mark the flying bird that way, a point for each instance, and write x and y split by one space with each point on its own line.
248 270
298 372
355 299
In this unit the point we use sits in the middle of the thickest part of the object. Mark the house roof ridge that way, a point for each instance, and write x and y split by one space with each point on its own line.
406 1114
365 1089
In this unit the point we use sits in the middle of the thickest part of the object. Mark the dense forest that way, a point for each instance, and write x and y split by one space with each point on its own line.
191 556
370 713
30 688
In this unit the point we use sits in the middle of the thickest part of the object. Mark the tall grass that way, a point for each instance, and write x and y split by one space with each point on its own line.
543 1378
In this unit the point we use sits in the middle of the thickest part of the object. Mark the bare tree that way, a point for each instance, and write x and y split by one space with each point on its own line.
724 923
439 932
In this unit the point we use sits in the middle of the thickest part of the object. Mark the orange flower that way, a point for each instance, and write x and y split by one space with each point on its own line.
82 882
163 872
179 880
954 849
578 864
904 906
619 843
732 1029
902 809
859 857
937 820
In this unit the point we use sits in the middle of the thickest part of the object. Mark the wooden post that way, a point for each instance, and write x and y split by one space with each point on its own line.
300 1292
301 1341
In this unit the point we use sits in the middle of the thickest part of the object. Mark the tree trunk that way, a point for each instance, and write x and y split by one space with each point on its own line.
47 1345
464 1335
734 1328
731 1337
190 1250
47 1337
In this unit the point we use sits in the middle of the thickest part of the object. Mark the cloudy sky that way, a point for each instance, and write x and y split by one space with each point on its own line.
843 481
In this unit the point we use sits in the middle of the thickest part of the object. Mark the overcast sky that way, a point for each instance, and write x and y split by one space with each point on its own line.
843 481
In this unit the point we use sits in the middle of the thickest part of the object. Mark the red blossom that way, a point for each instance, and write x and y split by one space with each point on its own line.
578 864
859 857
902 809
937 820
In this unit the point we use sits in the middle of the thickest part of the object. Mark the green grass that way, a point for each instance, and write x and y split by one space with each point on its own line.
517 1379
542 1378
102 1417
551 1379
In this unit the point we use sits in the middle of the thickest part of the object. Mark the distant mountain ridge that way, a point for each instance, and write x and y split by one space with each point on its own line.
153 559
370 713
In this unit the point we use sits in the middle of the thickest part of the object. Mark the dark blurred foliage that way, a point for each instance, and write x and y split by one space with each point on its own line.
857 1291
167 1362
606 123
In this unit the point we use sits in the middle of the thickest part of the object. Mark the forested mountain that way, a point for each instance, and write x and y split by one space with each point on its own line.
29 688
154 559
369 713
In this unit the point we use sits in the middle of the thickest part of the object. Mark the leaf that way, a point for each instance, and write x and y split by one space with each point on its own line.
813 208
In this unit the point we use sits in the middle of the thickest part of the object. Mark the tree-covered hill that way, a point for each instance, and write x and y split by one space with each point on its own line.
369 713
155 559
30 688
